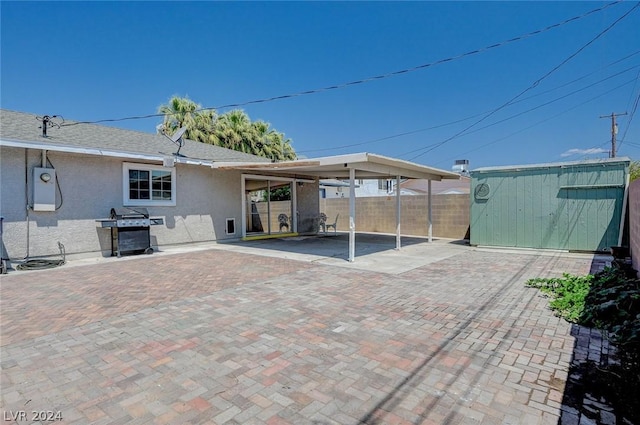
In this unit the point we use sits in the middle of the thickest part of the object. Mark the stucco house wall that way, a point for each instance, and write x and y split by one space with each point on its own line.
308 206
89 186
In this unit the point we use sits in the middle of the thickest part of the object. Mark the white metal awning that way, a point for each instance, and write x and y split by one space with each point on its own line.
352 166
366 165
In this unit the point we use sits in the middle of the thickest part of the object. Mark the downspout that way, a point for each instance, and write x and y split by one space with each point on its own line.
26 195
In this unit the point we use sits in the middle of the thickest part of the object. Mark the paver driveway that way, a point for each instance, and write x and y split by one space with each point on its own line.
226 337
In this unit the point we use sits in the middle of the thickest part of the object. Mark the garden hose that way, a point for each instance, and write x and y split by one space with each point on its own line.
41 264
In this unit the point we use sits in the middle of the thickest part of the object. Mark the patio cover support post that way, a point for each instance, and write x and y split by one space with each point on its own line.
294 206
269 207
243 197
398 213
430 232
352 215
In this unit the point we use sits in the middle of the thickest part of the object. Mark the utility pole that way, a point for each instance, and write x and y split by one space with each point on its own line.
614 131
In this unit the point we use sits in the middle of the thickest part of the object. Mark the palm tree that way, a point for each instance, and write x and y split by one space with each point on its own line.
272 144
634 170
233 130
263 144
183 112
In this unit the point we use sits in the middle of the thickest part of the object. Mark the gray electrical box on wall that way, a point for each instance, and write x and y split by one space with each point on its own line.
44 189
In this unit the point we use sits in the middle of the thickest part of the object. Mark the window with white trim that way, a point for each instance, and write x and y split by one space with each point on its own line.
144 184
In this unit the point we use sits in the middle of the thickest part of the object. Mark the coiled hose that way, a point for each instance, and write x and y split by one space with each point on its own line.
41 264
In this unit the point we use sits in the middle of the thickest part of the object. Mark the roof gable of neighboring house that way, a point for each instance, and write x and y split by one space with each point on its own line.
25 129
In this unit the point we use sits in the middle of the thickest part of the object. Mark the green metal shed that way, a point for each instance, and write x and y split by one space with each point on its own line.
569 205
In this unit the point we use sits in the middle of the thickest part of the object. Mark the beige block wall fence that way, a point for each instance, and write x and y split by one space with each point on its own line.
450 214
634 223
378 214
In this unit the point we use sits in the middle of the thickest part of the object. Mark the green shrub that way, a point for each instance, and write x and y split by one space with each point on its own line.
610 301
568 294
613 304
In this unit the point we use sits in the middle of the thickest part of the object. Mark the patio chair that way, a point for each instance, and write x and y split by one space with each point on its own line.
334 224
322 220
283 221
324 225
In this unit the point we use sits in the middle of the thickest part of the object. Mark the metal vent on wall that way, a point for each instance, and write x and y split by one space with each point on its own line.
482 191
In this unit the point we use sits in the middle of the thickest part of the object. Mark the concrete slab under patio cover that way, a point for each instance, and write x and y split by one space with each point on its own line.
235 334
374 251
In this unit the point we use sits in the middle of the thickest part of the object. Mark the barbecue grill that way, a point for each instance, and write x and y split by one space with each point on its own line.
130 230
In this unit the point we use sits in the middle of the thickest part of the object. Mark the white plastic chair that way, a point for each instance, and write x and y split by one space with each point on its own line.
334 224
324 225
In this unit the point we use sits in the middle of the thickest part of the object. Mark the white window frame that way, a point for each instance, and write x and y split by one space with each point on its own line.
127 166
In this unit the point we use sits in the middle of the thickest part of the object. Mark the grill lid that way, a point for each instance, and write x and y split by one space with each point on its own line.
129 213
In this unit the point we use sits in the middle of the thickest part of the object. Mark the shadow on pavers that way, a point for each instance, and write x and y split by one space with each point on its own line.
377 414
603 383
336 245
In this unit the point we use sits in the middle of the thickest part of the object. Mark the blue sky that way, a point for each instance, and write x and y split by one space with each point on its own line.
92 61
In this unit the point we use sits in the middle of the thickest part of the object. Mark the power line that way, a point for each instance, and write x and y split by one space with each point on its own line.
631 115
532 86
583 77
369 79
406 133
533 125
552 101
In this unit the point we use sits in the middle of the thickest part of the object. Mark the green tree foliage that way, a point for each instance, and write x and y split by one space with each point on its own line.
271 143
183 112
232 130
634 170
278 194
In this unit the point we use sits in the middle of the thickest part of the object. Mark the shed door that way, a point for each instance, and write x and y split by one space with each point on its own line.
592 220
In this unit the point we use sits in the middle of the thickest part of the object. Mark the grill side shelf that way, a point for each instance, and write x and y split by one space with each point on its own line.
105 222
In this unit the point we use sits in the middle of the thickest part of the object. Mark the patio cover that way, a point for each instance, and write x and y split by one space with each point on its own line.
351 166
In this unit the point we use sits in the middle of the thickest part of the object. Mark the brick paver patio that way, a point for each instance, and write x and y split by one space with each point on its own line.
223 337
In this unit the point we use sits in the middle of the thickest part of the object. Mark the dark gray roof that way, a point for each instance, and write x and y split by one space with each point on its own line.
25 128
